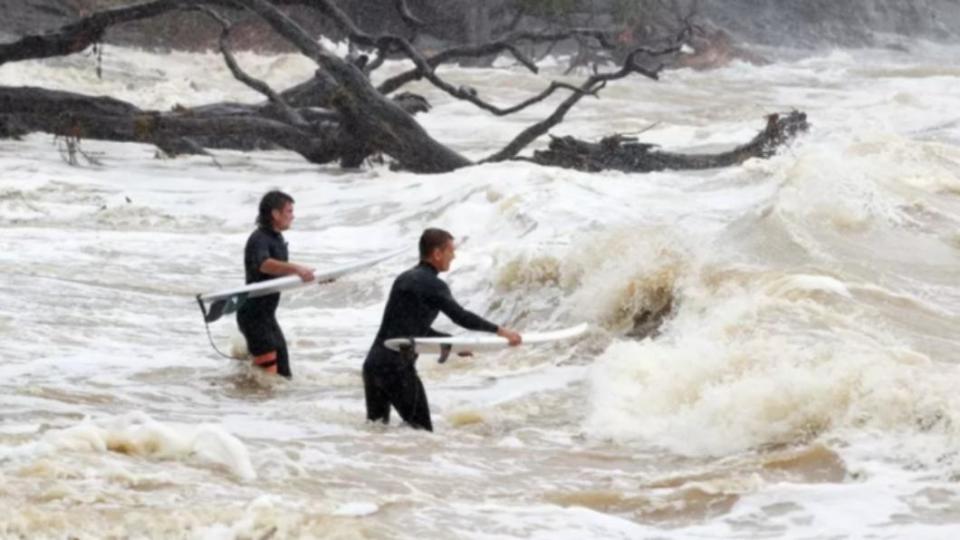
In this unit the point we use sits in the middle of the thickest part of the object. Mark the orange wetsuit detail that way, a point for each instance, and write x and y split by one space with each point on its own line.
267 362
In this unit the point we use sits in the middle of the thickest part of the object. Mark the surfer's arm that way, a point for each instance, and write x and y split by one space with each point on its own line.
258 256
276 267
436 333
445 302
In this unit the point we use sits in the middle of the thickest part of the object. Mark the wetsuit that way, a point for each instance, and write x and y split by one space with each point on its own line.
257 316
389 377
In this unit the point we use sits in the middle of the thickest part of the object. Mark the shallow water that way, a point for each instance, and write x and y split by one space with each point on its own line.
804 386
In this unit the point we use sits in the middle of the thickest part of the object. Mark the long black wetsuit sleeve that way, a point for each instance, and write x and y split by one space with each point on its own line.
445 302
436 333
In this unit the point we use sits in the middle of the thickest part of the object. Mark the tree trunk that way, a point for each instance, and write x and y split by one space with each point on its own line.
378 120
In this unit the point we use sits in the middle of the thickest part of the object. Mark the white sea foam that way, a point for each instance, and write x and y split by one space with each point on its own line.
138 434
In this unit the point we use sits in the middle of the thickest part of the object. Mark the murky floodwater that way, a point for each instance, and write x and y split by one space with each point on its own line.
804 387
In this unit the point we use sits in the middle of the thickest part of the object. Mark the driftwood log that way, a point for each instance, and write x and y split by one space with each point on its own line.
626 154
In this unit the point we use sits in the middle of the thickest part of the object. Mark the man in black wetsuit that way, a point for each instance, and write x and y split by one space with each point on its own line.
417 296
265 257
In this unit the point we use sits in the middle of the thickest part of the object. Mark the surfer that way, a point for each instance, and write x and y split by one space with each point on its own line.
417 296
265 257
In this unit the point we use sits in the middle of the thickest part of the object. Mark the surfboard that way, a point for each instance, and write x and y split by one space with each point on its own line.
474 343
227 301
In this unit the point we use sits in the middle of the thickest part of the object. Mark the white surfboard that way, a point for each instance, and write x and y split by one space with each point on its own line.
227 301
474 343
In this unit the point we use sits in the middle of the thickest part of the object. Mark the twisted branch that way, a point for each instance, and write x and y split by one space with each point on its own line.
591 86
369 113
506 44
289 114
76 37
407 15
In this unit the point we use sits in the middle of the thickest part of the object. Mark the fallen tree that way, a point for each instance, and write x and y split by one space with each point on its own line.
339 114
179 131
626 154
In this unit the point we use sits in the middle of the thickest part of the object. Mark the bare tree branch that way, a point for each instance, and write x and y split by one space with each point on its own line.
468 94
407 16
77 36
377 62
424 69
288 113
507 44
589 87
454 53
364 110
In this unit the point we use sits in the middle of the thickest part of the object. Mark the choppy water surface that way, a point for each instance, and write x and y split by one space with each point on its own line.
804 387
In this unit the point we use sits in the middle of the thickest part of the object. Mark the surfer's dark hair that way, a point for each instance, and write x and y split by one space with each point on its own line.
432 239
272 200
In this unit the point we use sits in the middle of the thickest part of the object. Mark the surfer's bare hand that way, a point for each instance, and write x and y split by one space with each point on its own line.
512 337
465 353
306 274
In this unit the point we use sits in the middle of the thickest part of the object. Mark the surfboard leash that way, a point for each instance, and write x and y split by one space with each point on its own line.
206 325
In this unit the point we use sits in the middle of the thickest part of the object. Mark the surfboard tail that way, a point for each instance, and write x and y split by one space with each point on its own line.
220 307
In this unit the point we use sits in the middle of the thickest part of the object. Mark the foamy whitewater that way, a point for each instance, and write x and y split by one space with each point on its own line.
805 385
